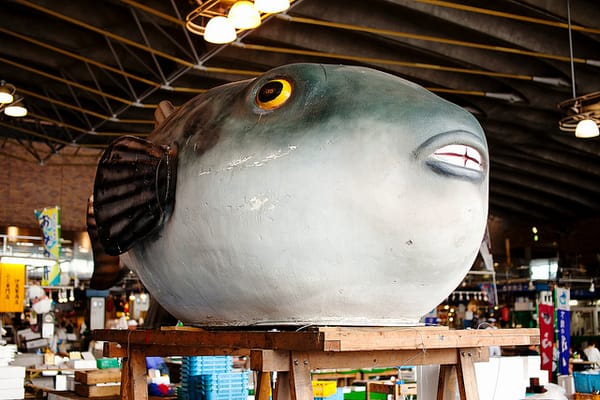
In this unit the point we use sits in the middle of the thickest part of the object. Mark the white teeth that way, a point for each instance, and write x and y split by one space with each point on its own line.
460 155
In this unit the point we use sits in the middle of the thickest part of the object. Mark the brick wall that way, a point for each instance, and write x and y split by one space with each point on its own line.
65 180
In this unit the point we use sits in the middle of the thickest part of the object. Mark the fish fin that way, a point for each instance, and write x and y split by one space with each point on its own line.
164 109
107 269
134 191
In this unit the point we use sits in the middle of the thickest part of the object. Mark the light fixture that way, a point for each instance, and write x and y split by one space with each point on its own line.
271 6
587 128
10 103
243 15
592 287
6 92
15 110
581 114
217 20
31 261
219 30
12 232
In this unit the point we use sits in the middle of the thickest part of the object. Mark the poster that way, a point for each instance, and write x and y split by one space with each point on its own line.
546 323
563 316
49 221
12 287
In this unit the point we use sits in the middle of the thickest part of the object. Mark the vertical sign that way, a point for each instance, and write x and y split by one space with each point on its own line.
12 287
49 221
563 316
546 323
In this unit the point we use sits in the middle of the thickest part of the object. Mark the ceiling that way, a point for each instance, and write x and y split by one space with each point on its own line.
90 71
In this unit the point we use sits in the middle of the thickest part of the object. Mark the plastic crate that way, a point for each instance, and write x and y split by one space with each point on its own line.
324 388
338 395
225 386
362 396
104 363
586 383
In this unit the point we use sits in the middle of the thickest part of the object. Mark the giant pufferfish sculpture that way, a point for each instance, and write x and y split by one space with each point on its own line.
313 194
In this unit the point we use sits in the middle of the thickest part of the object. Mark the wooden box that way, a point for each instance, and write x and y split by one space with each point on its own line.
98 376
97 391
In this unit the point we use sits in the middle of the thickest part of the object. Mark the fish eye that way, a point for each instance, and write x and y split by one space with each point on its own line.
274 94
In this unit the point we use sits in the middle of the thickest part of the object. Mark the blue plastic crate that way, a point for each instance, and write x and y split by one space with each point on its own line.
226 386
586 383
338 395
198 365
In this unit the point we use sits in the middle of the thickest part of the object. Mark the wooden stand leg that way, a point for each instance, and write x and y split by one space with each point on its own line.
263 385
282 386
134 385
444 382
125 386
465 371
300 382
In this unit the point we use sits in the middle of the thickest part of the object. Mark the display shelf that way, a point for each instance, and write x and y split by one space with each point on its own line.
293 355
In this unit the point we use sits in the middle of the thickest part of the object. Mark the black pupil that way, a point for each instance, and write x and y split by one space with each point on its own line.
270 91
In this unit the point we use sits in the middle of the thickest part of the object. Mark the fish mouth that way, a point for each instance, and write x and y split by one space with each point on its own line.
458 154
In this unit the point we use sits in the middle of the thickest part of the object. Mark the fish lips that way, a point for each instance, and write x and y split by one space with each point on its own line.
457 154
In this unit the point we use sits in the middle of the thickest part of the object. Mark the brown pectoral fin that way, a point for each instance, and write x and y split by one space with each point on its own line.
134 191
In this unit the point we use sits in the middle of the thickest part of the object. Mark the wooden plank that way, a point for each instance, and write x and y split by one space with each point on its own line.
465 373
112 349
226 340
272 360
96 391
93 377
300 381
399 338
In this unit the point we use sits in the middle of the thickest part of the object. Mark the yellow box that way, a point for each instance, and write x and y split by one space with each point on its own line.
324 388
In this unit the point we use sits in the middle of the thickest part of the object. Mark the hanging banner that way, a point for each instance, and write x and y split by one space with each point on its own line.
49 221
563 316
12 287
546 324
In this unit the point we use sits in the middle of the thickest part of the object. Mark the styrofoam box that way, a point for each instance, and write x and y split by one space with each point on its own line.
10 394
12 372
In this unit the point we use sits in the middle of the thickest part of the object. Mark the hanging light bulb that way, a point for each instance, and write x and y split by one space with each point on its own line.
271 6
6 92
219 31
587 128
243 15
592 287
15 110
71 295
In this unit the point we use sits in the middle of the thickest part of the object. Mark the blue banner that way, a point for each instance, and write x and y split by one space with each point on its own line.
564 340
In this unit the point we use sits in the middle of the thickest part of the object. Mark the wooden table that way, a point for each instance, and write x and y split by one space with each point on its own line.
294 354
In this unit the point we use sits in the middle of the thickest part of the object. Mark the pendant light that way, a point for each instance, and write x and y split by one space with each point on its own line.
581 113
15 110
219 31
271 6
6 92
243 15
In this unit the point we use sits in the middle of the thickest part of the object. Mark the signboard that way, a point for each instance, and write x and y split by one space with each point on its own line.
563 316
546 324
12 287
49 221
